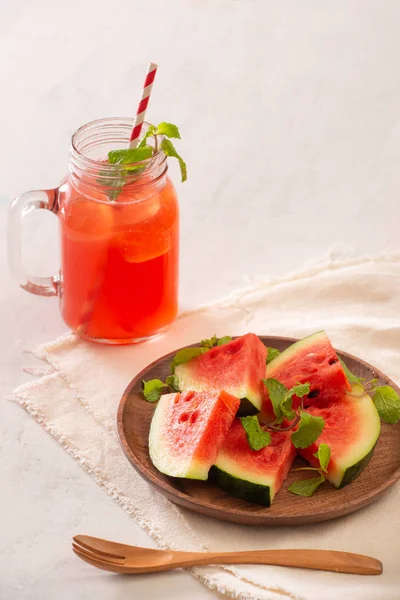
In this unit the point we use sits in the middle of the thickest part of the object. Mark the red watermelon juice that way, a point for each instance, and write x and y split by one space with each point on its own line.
119 250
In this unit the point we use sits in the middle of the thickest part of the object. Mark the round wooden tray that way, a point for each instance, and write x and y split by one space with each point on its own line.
134 418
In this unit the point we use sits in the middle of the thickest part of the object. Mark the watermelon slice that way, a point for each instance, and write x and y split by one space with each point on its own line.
187 431
252 475
237 367
312 360
352 428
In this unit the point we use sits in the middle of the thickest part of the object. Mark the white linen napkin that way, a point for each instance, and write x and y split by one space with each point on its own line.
358 303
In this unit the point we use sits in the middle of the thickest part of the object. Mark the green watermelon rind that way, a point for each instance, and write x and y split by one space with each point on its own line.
161 459
293 349
357 459
256 493
350 466
355 470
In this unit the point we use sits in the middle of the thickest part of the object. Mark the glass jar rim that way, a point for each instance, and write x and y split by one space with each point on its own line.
110 122
103 135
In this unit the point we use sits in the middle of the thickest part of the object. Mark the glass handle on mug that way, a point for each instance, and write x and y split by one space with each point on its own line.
19 208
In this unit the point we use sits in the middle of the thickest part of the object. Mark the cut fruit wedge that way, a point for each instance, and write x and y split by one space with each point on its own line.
187 431
311 360
253 475
237 367
352 427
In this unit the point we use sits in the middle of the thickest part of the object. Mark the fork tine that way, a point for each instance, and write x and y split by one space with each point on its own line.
83 553
100 564
98 545
94 555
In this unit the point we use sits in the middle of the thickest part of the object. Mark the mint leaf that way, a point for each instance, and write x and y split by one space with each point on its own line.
169 149
309 430
277 393
387 403
272 353
286 407
350 376
113 185
132 158
185 355
210 343
214 341
172 382
168 129
300 390
152 390
281 397
257 437
324 456
306 487
127 162
129 156
150 131
224 340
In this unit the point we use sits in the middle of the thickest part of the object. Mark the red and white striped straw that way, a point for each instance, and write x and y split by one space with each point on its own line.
144 101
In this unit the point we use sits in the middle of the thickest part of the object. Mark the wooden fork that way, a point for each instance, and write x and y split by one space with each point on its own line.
121 558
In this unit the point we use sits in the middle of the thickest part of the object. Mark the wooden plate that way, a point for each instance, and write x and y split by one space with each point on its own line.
134 417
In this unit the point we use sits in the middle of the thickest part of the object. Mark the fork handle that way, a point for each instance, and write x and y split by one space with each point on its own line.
324 560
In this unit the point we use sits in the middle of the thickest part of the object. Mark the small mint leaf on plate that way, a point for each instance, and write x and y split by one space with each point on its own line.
308 431
277 394
286 407
387 403
172 382
185 355
209 343
353 379
224 340
306 487
300 390
281 397
324 456
214 341
152 389
256 436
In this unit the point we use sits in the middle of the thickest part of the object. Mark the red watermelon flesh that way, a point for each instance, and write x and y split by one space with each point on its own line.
351 430
249 474
312 360
237 367
187 431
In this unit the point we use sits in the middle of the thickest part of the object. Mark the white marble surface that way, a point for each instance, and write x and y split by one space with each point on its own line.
289 113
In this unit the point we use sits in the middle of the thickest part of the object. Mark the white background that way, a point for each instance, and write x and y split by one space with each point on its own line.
289 114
